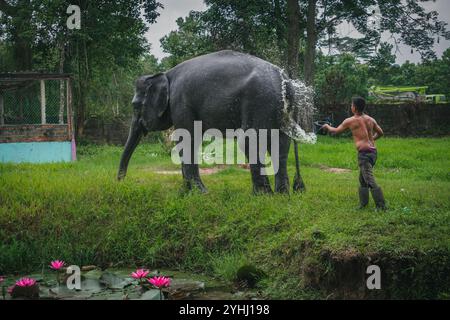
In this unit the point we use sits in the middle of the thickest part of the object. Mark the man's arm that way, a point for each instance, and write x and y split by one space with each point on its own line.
341 128
378 131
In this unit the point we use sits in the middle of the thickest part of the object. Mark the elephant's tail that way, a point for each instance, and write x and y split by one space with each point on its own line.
297 118
297 110
298 181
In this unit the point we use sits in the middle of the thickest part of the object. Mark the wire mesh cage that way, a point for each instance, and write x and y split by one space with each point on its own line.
34 102
36 123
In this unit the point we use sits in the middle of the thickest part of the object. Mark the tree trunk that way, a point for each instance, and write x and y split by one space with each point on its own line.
311 42
293 37
81 107
83 88
62 87
280 31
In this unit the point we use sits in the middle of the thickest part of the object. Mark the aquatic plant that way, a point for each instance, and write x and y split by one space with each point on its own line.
160 283
140 274
57 265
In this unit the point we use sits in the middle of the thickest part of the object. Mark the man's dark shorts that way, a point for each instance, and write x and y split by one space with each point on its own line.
366 162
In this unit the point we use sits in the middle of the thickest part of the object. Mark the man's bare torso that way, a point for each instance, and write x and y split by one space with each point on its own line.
362 127
365 130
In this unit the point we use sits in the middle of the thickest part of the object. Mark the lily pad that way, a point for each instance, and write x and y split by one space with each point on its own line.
152 294
93 274
184 288
89 287
112 281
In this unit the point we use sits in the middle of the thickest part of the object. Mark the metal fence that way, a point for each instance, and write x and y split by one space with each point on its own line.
34 102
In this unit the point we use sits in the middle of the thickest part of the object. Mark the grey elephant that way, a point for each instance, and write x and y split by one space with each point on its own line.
224 90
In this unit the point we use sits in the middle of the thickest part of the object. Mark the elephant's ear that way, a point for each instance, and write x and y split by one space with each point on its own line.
157 93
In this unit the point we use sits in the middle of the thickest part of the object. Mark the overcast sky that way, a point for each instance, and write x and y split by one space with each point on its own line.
173 9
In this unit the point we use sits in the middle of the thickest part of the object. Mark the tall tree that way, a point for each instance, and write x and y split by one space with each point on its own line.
257 27
261 27
293 37
381 63
311 42
407 21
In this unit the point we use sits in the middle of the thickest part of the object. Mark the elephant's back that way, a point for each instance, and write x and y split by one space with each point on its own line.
225 88
223 65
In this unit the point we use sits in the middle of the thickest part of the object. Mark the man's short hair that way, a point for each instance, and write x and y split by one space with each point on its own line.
359 103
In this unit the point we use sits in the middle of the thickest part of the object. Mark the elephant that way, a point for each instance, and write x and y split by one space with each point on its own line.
224 90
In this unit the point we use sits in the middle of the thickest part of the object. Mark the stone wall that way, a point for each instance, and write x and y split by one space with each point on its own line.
396 120
113 131
400 120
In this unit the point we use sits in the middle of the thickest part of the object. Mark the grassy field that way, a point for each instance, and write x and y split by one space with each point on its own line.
312 245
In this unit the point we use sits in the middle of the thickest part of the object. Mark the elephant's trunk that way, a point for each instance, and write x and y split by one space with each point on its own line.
134 137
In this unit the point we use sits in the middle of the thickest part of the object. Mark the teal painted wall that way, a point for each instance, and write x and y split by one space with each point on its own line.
36 152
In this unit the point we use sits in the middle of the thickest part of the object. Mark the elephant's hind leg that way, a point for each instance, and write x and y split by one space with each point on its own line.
279 161
260 181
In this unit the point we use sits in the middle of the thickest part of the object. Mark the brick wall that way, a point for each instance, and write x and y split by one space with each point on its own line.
34 133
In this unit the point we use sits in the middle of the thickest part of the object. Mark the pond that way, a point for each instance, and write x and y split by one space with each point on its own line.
117 284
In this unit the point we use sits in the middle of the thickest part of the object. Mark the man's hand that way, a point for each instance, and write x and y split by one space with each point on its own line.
342 127
378 131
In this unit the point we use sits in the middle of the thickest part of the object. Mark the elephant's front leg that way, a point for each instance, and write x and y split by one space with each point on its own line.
189 167
191 177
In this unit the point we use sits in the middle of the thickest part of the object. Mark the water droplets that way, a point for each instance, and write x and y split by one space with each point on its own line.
298 110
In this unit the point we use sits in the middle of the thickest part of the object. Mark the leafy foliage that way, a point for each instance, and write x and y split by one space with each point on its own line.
339 78
190 40
110 50
103 56
434 73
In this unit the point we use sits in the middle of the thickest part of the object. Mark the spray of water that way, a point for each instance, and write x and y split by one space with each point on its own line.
298 110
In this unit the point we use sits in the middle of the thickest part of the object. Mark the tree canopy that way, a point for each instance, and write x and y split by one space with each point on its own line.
110 50
260 27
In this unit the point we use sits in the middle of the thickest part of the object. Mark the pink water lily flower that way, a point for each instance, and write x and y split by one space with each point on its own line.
140 274
57 264
25 282
160 282
2 279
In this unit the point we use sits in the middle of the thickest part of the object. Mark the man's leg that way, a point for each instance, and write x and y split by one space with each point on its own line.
367 173
363 191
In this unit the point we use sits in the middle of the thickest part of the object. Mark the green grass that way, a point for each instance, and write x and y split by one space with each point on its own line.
306 243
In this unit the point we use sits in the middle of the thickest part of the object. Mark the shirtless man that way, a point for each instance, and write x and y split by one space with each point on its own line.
365 131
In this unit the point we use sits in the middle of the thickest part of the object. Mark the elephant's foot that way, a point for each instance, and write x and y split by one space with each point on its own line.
121 175
299 185
194 185
282 188
282 185
262 187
